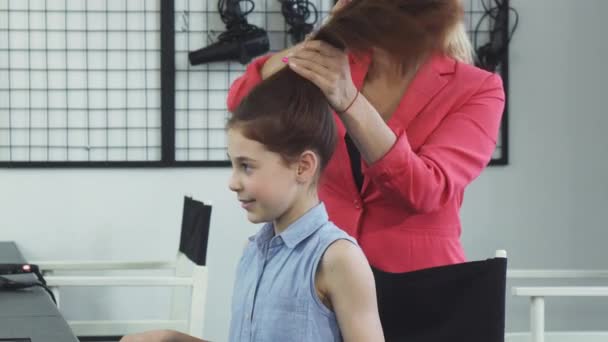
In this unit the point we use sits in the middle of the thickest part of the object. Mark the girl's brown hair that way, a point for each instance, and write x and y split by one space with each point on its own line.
288 114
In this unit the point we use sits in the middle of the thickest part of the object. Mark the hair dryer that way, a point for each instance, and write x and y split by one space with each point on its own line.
240 42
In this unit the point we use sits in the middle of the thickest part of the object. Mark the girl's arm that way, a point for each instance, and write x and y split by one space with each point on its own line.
347 280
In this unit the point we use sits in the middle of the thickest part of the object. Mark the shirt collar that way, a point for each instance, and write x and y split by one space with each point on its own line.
296 232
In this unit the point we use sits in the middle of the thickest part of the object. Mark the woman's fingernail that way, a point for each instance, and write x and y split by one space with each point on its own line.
285 60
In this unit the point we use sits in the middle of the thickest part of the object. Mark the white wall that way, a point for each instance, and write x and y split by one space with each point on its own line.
547 208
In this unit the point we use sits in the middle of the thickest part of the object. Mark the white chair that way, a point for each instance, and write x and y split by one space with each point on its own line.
537 294
189 271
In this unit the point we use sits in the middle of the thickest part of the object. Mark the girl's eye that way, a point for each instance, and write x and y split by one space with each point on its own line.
245 167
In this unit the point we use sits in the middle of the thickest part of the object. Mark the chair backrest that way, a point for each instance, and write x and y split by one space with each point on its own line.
461 302
190 277
194 237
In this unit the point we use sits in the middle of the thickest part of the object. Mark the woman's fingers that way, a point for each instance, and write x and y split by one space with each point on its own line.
325 66
316 68
321 47
311 72
313 57
322 54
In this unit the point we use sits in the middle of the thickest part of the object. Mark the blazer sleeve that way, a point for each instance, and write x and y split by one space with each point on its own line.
243 85
451 158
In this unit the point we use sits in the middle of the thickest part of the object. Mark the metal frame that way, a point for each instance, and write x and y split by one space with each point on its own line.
504 125
168 146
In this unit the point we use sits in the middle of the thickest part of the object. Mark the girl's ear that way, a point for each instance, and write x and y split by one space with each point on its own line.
308 163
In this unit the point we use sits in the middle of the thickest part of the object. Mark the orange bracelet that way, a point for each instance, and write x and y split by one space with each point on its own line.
351 103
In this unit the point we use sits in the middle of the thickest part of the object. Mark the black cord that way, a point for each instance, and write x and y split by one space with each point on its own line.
234 19
14 285
46 288
297 15
490 54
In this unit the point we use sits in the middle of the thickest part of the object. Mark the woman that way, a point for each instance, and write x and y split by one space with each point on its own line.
416 124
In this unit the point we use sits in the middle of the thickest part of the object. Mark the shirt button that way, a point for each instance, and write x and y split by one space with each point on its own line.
357 204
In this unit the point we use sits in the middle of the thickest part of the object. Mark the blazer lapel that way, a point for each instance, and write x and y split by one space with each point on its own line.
427 83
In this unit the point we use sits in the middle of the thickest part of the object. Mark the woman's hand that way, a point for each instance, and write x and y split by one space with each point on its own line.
328 68
325 66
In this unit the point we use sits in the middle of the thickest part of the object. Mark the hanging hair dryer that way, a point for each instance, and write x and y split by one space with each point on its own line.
240 42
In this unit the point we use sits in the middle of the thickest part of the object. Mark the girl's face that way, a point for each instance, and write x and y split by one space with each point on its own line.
267 188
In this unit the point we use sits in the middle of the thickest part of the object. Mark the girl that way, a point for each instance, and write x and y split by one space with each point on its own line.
300 278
